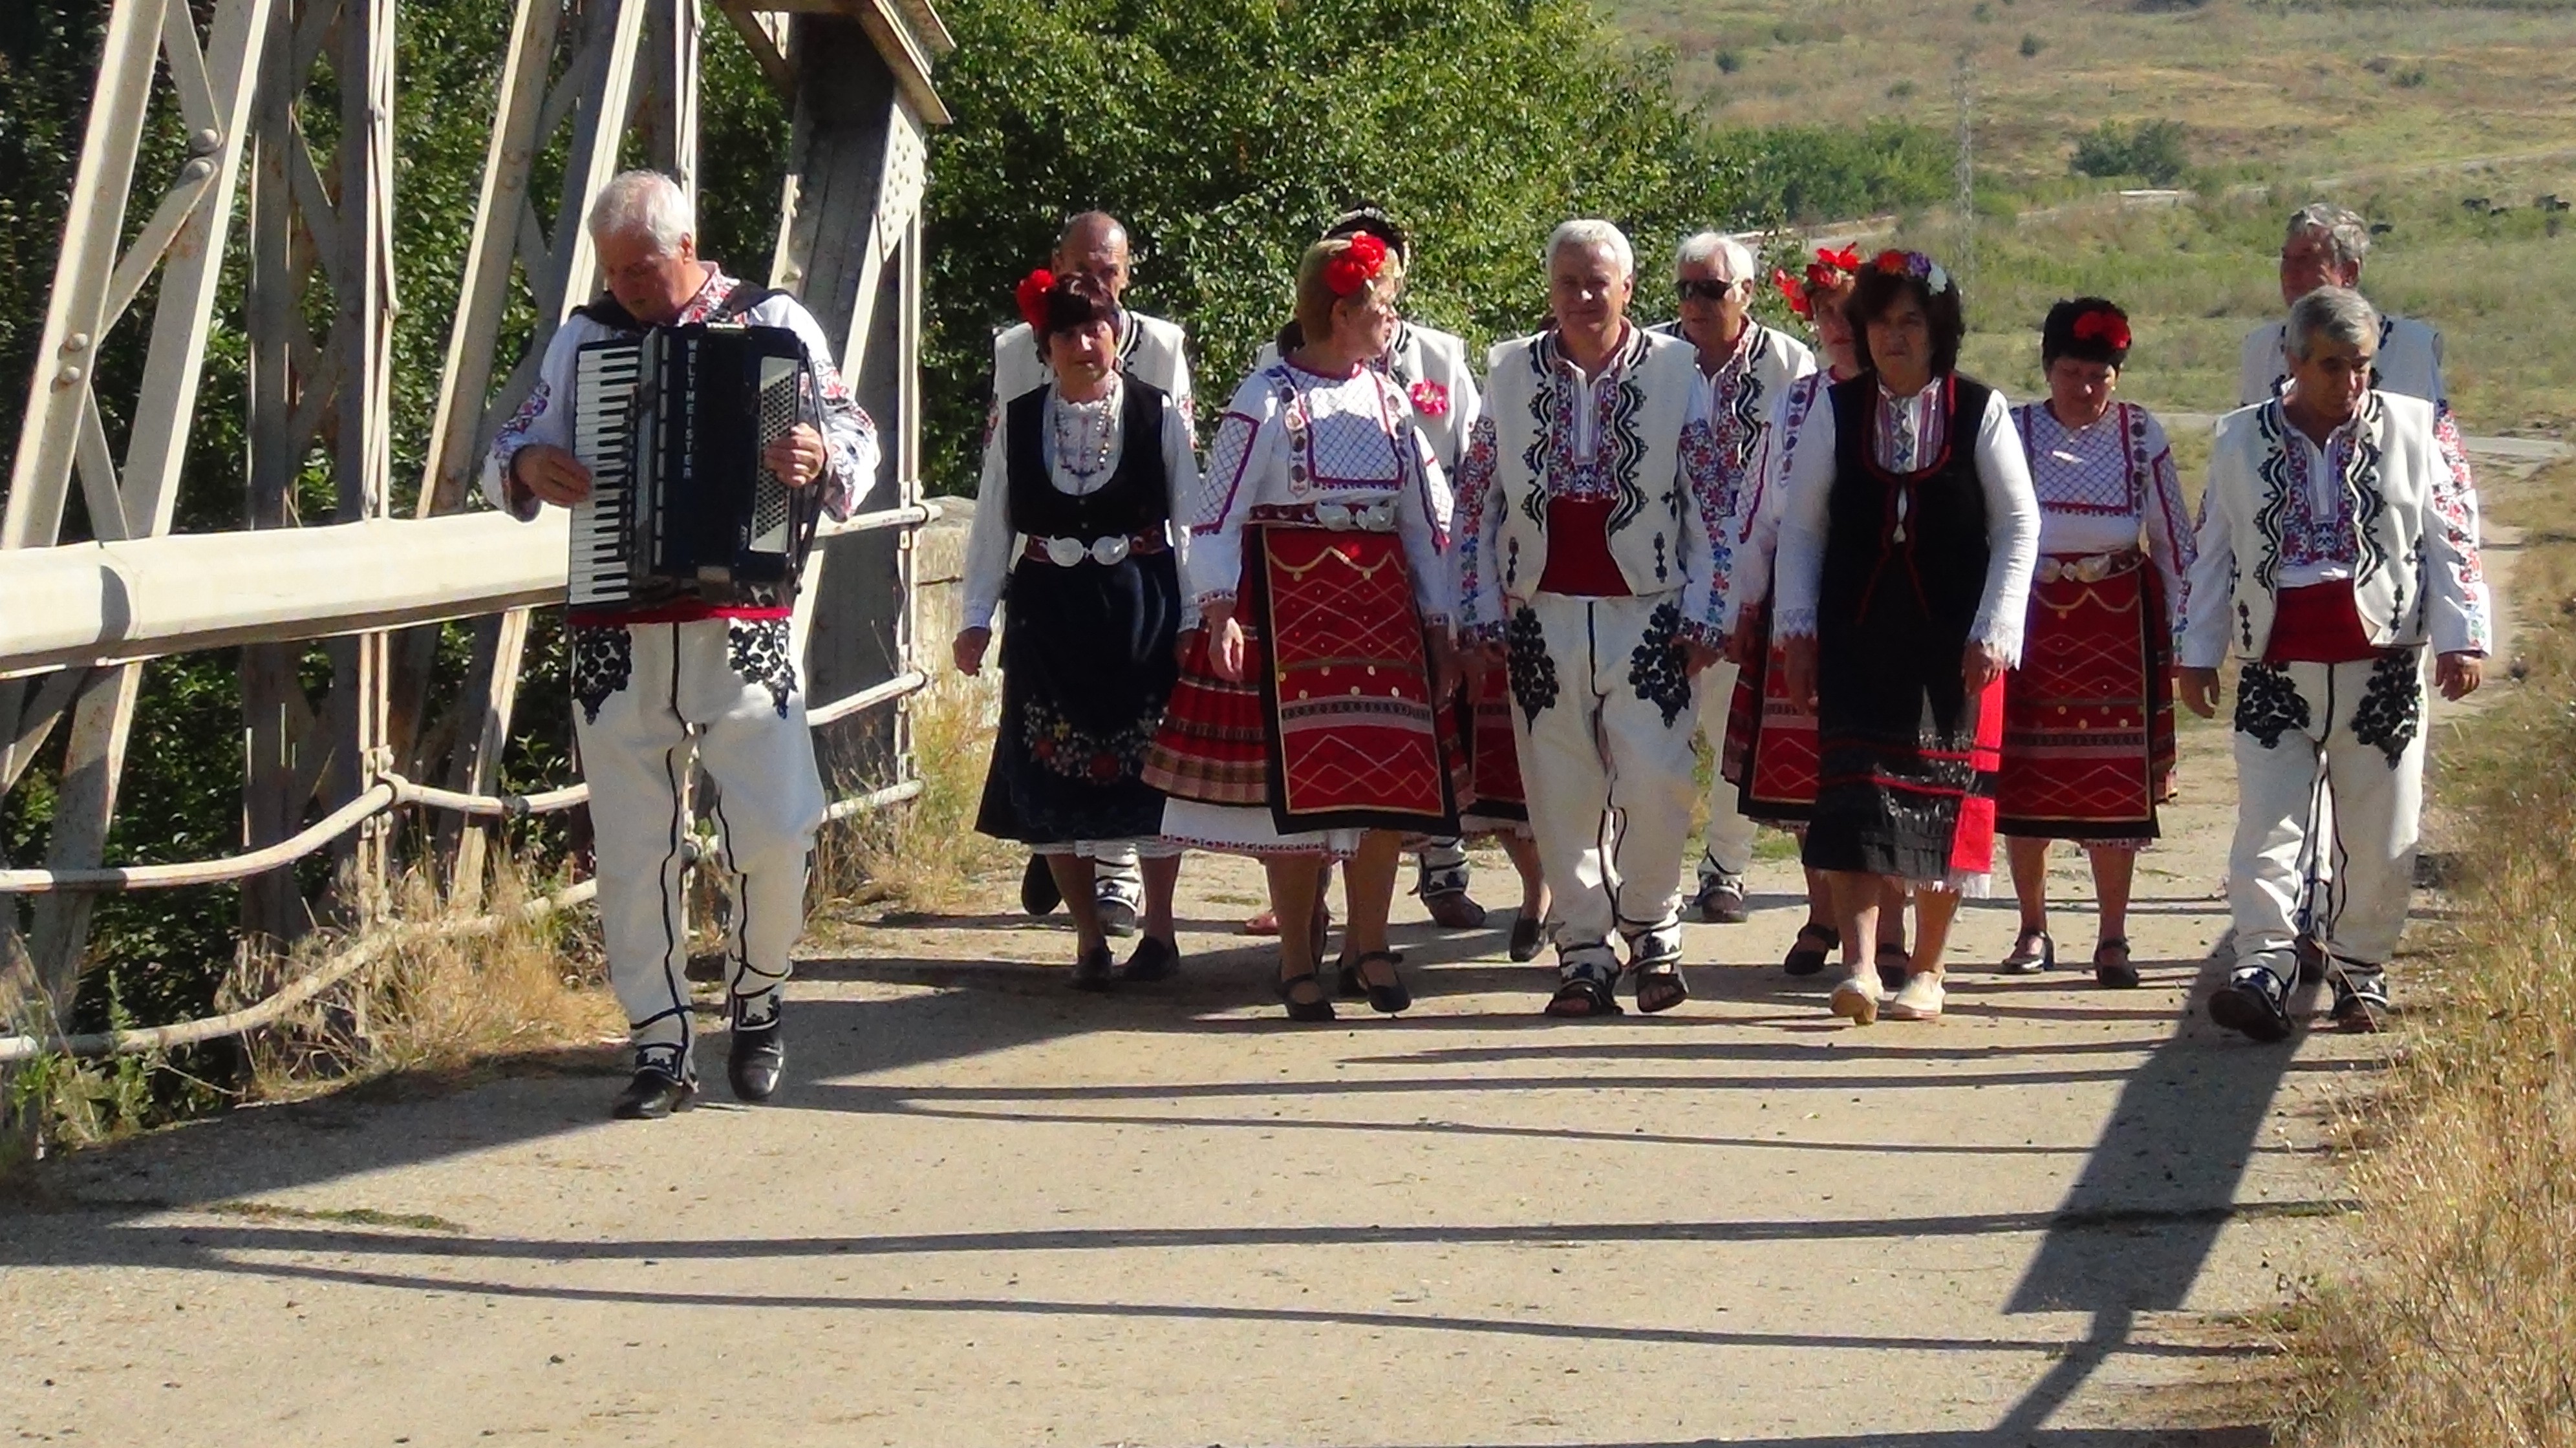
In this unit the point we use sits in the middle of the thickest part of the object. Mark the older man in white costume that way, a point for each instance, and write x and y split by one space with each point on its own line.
669 683
2337 544
1584 560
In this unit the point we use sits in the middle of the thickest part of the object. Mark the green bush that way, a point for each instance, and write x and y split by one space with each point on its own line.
2150 150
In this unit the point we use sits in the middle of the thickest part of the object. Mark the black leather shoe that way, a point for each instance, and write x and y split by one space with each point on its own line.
1117 917
1038 894
1153 960
758 1059
652 1095
1092 970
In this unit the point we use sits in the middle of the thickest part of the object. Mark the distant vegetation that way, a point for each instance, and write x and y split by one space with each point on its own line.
2152 151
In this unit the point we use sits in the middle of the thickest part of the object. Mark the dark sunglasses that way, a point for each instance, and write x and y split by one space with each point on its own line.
1706 291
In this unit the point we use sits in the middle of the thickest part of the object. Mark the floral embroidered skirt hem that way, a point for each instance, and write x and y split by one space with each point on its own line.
2088 750
1087 670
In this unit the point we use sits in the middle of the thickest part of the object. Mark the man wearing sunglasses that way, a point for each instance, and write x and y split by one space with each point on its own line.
1744 367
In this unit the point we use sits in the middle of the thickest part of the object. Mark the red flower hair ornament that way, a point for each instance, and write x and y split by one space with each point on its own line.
1430 399
1357 265
2104 327
1032 297
1826 273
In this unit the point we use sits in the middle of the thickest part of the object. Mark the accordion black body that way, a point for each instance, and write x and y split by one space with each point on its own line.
672 424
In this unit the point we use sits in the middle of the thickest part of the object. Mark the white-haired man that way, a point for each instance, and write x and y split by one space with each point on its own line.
2324 245
1583 559
1745 368
2337 542
1155 352
683 677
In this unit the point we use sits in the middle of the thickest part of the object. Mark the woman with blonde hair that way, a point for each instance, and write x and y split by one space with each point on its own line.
1305 727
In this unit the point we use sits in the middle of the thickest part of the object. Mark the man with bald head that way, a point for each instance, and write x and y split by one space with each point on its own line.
1151 350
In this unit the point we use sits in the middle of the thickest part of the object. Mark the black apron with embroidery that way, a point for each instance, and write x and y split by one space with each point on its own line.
1904 572
1087 651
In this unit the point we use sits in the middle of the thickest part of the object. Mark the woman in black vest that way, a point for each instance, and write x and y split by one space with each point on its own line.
1073 534
1906 548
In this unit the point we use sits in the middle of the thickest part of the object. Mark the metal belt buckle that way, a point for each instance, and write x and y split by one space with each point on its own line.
1065 552
1110 552
1378 517
1339 517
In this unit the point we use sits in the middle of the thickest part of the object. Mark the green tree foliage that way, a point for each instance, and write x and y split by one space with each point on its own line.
1227 132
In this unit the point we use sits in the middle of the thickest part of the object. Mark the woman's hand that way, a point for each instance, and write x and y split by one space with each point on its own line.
1226 654
1703 657
2199 689
1187 641
1978 667
968 650
1798 671
1445 668
1744 645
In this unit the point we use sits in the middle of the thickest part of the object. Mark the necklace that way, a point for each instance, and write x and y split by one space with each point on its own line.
1084 434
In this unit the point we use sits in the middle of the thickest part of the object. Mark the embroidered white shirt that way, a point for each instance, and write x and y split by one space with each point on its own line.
2103 486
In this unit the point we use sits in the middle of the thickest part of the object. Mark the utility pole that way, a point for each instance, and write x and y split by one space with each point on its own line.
1964 88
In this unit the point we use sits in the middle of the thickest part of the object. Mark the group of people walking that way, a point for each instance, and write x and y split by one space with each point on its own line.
1391 608
1395 607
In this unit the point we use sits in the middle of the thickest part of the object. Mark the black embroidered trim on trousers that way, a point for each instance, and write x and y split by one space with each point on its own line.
1659 670
2268 705
757 650
1533 673
2391 711
603 662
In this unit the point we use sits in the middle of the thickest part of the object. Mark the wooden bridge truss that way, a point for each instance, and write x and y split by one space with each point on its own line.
312 234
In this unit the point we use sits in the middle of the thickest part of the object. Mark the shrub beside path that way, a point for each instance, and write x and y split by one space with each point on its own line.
988 1210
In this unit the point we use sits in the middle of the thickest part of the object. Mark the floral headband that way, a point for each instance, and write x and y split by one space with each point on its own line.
1916 265
1826 273
1031 294
1355 266
2104 327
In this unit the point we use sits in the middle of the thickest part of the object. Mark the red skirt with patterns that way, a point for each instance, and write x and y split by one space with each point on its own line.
2088 749
1334 726
1491 755
1770 741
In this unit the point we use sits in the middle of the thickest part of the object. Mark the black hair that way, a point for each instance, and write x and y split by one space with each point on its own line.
1878 290
2057 335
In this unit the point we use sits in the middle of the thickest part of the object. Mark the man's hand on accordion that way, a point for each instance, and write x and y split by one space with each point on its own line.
797 456
549 473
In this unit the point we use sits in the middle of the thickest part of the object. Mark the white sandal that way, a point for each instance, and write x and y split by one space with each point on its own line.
1856 999
1920 1000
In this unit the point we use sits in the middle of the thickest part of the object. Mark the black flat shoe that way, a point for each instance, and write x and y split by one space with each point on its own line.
1038 894
2030 959
1153 960
1805 957
1117 918
2246 1006
757 1060
652 1095
1348 983
2111 965
1093 970
1318 1009
1386 1000
1529 937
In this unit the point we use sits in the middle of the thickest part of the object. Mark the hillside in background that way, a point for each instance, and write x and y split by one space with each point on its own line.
2261 88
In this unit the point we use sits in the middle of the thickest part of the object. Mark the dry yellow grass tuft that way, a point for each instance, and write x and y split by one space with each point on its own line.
925 855
2460 1328
435 1005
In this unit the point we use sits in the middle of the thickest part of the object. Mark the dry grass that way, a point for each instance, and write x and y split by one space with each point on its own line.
2313 88
2461 1326
925 855
435 1006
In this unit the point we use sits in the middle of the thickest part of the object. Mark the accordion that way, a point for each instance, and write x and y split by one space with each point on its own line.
672 424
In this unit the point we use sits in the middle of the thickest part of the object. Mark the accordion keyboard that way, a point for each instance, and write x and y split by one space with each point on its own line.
605 378
781 408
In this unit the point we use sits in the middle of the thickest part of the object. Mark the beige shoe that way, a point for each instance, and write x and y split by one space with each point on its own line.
1920 1000
1856 999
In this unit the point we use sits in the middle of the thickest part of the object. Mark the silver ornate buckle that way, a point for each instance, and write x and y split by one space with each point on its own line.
1066 552
1110 552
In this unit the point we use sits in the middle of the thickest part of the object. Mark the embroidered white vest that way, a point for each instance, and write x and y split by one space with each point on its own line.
1640 447
2394 468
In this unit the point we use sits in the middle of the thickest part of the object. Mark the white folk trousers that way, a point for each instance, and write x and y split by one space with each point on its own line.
652 701
1604 709
2302 730
1730 834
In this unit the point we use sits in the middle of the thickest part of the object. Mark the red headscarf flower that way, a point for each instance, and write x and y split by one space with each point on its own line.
2104 327
1032 297
1355 266
1796 294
